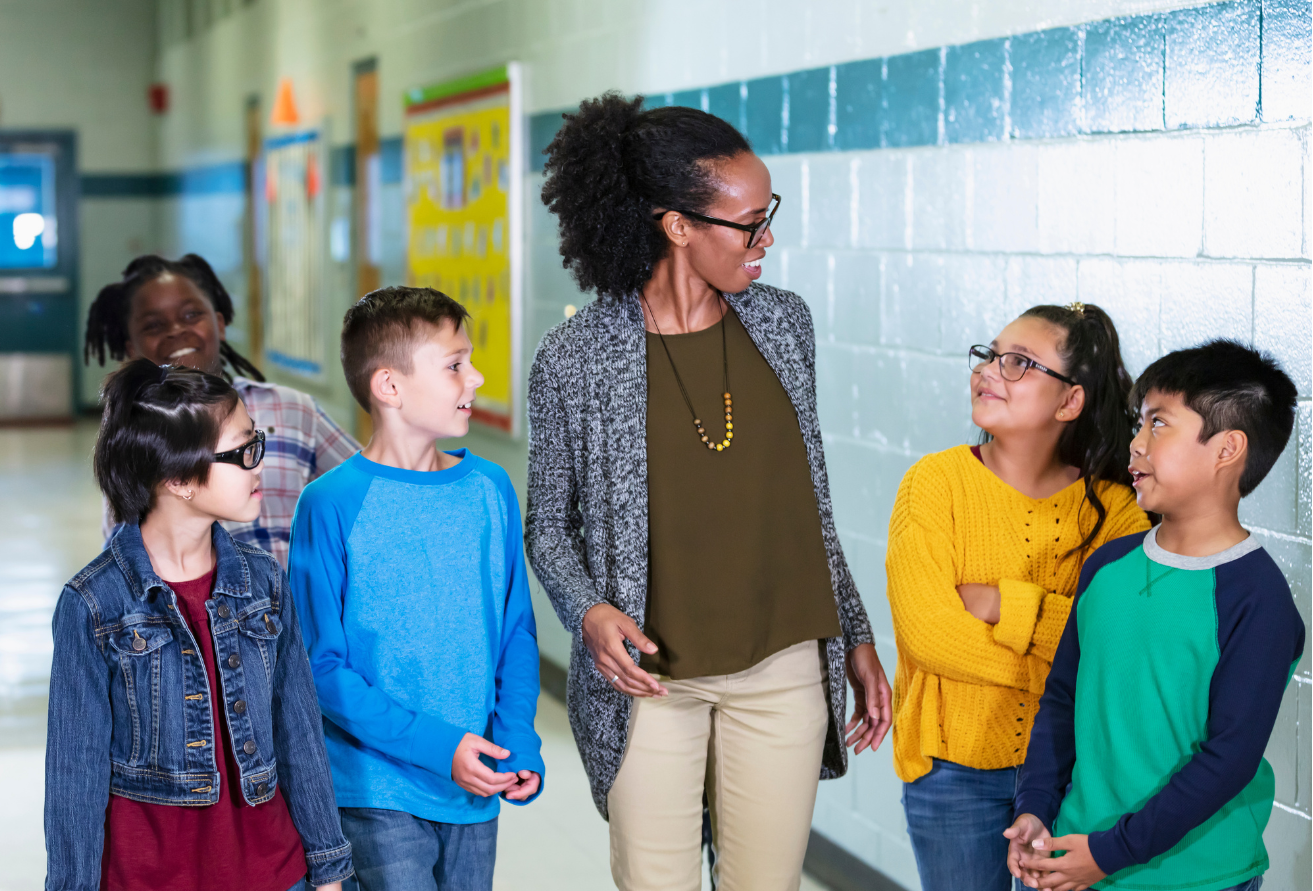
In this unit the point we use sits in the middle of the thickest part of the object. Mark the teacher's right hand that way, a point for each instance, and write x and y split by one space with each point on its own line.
605 631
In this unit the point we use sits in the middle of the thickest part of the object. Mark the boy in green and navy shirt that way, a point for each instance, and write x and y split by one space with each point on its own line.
1180 644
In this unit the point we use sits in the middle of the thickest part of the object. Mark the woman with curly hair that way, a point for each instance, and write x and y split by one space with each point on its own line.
692 556
175 312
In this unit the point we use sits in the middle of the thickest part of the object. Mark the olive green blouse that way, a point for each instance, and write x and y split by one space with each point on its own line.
738 568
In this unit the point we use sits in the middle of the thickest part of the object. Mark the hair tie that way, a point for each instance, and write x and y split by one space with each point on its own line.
1078 308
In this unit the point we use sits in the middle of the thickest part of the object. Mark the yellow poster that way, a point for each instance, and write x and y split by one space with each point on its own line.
462 188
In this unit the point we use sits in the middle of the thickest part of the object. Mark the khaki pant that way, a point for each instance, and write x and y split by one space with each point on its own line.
754 741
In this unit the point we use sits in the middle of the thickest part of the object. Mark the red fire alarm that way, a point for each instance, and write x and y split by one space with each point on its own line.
158 97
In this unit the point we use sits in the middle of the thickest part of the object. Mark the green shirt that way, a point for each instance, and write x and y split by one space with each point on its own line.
1163 694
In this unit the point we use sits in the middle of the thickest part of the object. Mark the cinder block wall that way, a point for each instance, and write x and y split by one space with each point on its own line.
933 188
1155 166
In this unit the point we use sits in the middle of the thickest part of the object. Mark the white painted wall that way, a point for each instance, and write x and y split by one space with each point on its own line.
572 48
1181 236
85 65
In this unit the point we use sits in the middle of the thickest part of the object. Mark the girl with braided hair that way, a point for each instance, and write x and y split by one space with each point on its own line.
176 312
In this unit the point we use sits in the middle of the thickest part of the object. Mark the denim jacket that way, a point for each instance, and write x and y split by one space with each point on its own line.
130 706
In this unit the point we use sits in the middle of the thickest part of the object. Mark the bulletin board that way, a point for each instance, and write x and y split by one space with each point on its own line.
294 262
463 182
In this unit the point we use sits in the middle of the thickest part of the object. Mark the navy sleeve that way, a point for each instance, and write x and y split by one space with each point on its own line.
1260 639
1052 752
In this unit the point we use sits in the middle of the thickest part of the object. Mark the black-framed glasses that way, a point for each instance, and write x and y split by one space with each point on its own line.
247 456
1013 366
755 230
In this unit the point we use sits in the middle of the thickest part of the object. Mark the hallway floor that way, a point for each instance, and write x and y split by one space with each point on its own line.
50 528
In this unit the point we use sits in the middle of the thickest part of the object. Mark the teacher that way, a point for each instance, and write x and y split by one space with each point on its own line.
679 513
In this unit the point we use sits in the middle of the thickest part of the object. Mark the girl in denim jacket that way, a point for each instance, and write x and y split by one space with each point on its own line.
185 748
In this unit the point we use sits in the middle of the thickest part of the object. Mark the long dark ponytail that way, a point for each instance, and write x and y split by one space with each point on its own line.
1099 440
107 320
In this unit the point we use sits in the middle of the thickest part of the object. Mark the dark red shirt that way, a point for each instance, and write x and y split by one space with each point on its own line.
225 846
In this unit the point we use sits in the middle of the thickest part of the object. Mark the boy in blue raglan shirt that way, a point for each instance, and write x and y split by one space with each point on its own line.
407 566
1146 761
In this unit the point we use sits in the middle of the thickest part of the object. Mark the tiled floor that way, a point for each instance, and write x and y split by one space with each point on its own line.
49 528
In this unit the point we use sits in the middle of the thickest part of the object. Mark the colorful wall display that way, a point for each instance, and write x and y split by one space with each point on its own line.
463 187
294 261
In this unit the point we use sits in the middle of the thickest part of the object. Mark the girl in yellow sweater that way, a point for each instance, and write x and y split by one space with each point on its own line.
985 550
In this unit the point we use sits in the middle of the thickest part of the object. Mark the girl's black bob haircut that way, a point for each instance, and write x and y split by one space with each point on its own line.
160 423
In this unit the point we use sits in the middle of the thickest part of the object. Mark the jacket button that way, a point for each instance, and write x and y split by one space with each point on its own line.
262 789
248 747
240 706
223 611
234 660
138 644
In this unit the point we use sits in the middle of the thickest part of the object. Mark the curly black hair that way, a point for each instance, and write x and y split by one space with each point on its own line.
107 320
611 164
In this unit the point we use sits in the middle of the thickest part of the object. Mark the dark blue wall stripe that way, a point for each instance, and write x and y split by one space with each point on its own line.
214 179
124 185
1224 64
342 165
390 160
1193 68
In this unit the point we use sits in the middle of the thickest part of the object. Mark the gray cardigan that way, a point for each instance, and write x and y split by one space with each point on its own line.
586 525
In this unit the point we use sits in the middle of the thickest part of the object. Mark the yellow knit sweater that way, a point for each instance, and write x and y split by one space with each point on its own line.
966 691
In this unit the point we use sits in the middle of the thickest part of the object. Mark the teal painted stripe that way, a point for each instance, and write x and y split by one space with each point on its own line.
1224 64
214 179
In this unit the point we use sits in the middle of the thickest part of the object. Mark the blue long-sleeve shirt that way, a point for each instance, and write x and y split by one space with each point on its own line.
414 603
1163 693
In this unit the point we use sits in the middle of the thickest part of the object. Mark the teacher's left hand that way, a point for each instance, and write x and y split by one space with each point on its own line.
873 712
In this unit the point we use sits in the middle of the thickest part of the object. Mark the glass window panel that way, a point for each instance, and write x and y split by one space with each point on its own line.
29 229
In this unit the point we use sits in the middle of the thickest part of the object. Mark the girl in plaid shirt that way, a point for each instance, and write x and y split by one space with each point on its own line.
175 313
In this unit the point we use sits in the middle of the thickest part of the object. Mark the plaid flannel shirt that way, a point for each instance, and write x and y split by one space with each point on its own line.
301 443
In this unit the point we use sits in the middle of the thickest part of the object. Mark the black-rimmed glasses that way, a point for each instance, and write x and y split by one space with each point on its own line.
755 230
1013 366
246 456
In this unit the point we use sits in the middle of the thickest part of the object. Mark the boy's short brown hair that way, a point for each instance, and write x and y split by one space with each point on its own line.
383 328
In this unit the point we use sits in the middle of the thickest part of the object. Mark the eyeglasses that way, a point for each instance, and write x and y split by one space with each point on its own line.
246 456
755 230
1013 366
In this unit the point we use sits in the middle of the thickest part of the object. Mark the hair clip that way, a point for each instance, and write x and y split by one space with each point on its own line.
1078 308
164 373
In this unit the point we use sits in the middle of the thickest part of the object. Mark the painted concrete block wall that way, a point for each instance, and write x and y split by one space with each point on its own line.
86 65
1174 200
936 183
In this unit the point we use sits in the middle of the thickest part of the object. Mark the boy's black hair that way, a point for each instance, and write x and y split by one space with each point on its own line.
382 328
611 164
1232 387
160 423
107 320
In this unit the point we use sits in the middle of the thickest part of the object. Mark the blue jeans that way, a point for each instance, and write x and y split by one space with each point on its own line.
956 816
395 851
1252 885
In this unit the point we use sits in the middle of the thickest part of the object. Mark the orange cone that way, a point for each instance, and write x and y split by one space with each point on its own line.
284 113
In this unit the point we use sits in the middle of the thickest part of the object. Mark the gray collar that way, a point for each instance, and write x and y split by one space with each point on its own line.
1154 552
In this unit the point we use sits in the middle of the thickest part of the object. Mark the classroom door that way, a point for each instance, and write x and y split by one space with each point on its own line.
38 275
368 229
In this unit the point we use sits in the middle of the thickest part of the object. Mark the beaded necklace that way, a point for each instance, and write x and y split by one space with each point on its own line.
729 401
